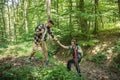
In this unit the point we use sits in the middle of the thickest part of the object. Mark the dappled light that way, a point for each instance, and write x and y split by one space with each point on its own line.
59 39
118 24
104 48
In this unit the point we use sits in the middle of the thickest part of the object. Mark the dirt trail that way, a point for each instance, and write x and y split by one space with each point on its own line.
97 72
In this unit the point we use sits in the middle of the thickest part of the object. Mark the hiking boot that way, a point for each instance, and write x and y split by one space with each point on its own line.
28 60
47 63
79 74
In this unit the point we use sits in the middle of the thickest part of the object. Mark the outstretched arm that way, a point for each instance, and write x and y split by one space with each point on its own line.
63 46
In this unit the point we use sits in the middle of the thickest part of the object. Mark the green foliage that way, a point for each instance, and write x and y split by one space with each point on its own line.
58 73
116 60
16 73
99 58
18 49
25 37
51 52
117 47
26 72
88 43
39 55
52 48
115 64
3 45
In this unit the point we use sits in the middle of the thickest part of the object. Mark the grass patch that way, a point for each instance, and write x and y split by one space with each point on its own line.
27 72
99 58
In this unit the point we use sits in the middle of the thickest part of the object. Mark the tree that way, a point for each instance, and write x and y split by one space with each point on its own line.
70 14
8 21
56 7
96 17
83 21
18 17
14 20
119 8
48 5
3 26
25 15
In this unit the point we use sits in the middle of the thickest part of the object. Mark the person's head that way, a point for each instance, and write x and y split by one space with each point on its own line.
73 42
50 23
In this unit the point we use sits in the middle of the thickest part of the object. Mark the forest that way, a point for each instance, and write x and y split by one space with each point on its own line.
94 24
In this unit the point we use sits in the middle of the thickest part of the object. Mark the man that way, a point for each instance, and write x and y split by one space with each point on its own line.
40 36
77 55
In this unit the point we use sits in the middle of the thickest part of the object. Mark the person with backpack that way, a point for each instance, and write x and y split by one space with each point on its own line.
40 36
77 54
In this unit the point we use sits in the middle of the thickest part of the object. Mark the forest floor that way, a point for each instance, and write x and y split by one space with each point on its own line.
93 71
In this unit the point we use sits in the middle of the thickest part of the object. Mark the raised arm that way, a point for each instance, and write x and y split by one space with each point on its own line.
63 46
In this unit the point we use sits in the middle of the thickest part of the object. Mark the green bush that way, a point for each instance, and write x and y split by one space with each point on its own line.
115 64
99 58
3 45
117 47
27 72
52 48
17 73
58 73
88 43
116 59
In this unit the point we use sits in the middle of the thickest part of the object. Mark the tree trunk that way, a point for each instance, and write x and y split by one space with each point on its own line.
8 23
83 22
70 16
3 21
101 19
57 13
1 34
96 18
119 8
48 5
81 8
14 20
25 15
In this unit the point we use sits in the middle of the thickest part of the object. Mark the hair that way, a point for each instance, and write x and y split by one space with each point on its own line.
50 21
73 40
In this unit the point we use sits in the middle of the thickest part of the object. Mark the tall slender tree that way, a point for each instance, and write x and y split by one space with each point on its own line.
0 20
48 4
56 6
3 26
14 19
25 15
96 17
70 15
83 21
8 21
119 8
